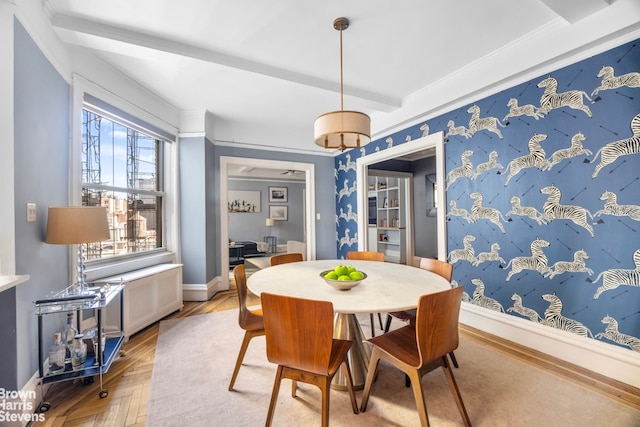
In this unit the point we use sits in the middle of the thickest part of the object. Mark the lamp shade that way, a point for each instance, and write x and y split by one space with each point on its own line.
342 129
271 222
77 224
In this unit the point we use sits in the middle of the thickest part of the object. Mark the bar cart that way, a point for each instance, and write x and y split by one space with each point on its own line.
94 298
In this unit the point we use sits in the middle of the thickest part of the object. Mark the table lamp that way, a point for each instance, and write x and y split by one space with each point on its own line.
270 239
69 225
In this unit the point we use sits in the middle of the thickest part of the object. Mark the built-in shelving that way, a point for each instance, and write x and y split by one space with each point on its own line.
388 235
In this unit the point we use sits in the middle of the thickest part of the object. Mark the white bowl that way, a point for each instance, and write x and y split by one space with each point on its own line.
342 285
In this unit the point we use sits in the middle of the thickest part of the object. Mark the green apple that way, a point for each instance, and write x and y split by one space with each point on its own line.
341 270
356 275
331 275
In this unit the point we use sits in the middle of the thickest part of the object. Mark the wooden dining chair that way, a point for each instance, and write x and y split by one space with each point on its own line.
441 268
369 256
422 347
285 258
300 341
249 320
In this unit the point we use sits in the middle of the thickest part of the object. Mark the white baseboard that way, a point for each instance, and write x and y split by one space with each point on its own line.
201 292
606 359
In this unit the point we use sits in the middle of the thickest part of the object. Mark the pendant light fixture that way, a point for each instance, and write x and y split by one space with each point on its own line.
342 129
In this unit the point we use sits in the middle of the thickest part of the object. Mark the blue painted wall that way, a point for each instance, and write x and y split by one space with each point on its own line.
558 281
41 159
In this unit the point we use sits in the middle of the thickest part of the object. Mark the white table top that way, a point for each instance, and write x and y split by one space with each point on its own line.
388 286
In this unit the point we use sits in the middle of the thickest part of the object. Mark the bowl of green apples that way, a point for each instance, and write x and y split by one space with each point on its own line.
343 277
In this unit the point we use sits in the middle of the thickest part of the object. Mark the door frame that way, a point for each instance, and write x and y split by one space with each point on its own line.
309 205
435 141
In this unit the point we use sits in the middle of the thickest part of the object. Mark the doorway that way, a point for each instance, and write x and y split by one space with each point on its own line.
309 203
430 142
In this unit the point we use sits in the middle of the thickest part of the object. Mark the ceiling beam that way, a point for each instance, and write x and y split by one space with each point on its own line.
110 33
574 10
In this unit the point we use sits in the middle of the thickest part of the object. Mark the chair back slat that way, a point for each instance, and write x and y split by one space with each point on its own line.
366 255
441 268
285 258
299 332
437 323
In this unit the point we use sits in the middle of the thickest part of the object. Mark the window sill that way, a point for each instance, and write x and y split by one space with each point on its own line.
123 266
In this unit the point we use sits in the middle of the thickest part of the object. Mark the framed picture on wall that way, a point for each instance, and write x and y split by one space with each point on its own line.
245 201
277 194
279 213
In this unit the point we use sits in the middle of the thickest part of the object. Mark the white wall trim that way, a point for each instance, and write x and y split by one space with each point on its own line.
595 355
310 203
202 292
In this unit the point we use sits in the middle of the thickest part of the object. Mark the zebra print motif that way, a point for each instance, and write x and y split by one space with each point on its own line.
551 100
489 256
610 152
467 253
553 317
488 165
537 261
611 333
483 301
464 170
611 207
611 279
609 81
525 110
574 150
454 210
575 266
487 123
535 158
527 211
554 210
480 212
522 310
457 130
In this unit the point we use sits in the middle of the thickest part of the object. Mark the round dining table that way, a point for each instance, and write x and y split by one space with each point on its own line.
388 287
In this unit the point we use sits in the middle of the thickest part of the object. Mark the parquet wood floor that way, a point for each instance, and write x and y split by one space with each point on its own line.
129 378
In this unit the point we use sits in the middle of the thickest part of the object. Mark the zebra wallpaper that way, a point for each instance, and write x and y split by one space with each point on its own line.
543 197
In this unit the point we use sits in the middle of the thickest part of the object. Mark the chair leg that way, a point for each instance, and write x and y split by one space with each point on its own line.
380 320
373 329
453 359
243 349
371 372
419 396
352 394
274 396
325 389
388 325
448 372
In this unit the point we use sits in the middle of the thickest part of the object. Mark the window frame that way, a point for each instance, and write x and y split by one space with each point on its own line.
169 252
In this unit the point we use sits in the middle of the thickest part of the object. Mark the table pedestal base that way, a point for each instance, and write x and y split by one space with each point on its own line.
346 327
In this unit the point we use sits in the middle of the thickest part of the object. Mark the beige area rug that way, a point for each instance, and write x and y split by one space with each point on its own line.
195 358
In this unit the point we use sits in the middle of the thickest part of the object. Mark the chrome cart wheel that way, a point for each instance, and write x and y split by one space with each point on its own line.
104 393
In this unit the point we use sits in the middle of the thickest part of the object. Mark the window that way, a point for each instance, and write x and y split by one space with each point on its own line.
122 171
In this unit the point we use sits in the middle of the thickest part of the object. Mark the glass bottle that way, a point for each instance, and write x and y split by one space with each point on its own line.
56 355
68 335
78 353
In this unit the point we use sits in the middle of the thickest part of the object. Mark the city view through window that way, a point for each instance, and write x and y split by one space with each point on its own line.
121 170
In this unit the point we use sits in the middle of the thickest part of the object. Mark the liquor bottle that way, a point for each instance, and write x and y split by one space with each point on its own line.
56 355
78 353
68 335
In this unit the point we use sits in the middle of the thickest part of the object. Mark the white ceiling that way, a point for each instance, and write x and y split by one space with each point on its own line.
266 69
